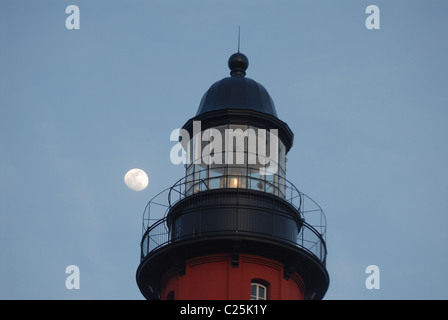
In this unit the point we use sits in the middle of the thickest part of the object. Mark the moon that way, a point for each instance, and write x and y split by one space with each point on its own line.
136 179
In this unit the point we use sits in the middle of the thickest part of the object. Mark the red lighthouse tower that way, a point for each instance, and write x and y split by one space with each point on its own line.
234 227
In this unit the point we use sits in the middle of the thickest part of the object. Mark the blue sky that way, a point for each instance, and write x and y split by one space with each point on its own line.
79 108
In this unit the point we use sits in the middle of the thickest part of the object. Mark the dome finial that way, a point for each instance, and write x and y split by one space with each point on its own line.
238 64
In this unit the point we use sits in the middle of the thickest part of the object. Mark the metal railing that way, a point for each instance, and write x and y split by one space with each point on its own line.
310 237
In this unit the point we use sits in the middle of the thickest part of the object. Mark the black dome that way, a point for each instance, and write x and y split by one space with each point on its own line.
237 91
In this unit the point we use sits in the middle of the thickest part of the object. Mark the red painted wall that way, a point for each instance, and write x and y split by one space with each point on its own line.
212 277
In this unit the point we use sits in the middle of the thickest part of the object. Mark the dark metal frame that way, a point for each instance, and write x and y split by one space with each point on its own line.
311 230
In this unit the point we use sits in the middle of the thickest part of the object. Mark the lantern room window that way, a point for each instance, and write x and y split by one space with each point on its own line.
237 156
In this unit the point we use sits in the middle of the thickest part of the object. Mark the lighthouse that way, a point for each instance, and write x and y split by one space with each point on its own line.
234 227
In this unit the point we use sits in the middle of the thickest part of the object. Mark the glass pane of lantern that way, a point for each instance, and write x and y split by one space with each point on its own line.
281 186
203 177
189 180
215 174
236 144
270 187
282 155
